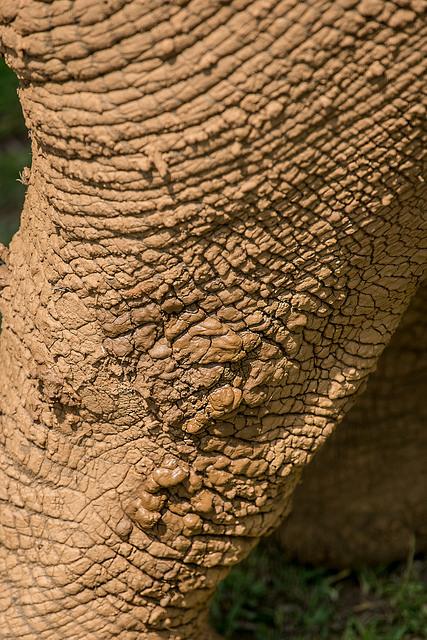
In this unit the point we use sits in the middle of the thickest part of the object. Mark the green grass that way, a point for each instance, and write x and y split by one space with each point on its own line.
12 191
11 120
14 154
267 598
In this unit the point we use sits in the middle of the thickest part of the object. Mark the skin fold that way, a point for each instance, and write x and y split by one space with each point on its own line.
224 223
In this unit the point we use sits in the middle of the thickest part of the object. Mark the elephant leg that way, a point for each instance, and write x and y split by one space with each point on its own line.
363 499
212 256
118 525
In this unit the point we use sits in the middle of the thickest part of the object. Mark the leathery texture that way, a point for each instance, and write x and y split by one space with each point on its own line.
223 225
364 497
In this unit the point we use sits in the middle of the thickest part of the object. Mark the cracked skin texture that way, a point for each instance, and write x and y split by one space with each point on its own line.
224 224
364 497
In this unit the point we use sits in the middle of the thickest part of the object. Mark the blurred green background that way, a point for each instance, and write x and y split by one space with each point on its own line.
266 597
14 154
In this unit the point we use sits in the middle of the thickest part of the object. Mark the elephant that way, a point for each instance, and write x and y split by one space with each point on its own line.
224 224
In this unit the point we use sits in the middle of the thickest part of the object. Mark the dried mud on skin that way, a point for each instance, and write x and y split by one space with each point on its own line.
223 226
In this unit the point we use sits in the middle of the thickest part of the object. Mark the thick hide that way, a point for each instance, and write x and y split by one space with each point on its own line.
223 225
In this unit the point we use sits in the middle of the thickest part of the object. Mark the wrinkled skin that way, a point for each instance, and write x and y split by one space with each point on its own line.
223 227
364 497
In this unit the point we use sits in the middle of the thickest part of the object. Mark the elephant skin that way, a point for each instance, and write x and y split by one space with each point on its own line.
364 498
224 223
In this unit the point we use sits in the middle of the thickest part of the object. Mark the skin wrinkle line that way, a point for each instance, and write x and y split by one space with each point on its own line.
187 202
114 42
233 86
98 74
363 114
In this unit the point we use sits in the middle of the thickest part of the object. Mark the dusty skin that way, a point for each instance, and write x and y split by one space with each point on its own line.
224 224
364 497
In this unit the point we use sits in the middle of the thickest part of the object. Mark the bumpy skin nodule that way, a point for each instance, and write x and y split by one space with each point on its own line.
223 226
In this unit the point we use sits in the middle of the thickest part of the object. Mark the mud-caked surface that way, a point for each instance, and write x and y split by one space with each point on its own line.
223 225
364 497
